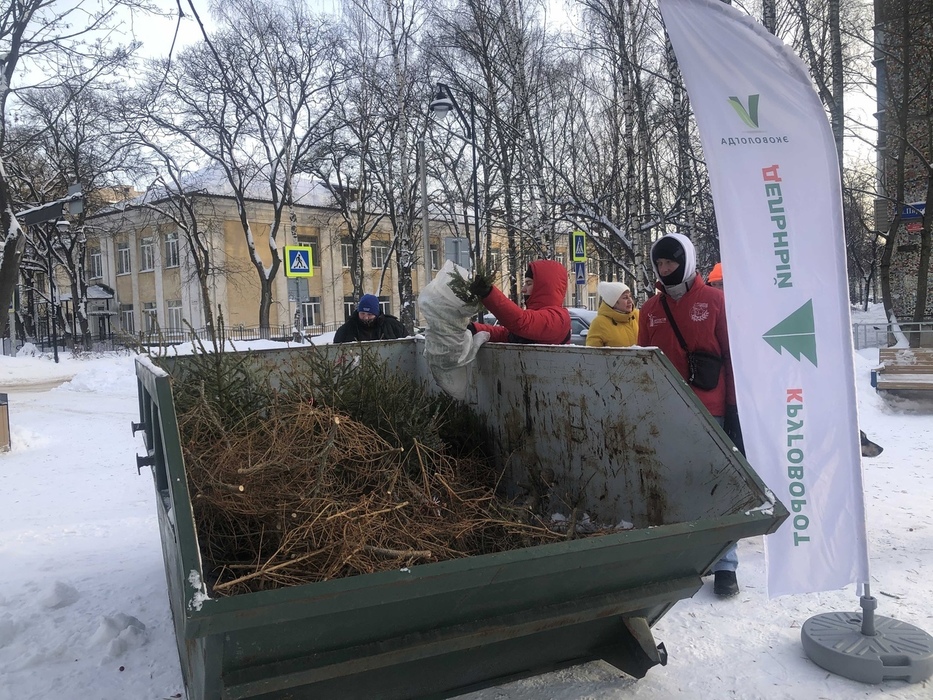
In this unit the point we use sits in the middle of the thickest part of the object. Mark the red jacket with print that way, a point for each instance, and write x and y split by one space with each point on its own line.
543 320
700 315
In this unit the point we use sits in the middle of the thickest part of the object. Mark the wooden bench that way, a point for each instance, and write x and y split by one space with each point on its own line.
904 369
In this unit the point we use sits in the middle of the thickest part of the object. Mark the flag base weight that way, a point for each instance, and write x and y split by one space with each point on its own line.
866 648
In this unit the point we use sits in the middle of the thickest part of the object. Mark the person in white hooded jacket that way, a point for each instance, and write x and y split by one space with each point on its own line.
699 312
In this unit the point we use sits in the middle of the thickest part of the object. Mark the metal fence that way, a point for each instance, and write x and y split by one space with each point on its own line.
881 335
118 340
864 335
282 333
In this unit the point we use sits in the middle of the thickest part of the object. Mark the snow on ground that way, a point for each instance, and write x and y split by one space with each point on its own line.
84 611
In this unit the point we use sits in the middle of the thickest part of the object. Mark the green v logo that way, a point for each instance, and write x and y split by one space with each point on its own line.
795 334
749 116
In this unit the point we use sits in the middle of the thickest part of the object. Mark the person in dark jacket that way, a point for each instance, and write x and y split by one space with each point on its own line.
699 312
544 319
369 323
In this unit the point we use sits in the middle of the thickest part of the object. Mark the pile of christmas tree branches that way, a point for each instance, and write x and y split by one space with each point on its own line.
329 467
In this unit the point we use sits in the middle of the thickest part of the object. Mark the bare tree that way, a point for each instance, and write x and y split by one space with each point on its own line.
252 99
72 128
50 37
391 84
864 244
342 164
174 197
904 54
498 57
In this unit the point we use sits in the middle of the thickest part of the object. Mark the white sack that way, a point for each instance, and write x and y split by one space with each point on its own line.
448 346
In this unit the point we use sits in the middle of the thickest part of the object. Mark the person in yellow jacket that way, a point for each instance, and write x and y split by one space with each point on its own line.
616 322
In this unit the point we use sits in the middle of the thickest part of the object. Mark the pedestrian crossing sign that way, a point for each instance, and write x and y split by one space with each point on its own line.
580 272
578 246
298 262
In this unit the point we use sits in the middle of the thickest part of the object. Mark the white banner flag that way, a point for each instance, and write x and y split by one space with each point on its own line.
775 183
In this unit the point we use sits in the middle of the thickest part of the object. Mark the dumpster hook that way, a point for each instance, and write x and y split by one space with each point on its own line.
141 462
136 427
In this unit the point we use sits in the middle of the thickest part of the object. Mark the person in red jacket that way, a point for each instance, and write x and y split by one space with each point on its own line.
714 278
544 319
699 311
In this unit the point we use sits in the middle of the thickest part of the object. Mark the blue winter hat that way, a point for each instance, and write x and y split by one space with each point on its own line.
369 304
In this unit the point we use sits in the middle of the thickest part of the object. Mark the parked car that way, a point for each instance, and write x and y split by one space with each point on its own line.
580 320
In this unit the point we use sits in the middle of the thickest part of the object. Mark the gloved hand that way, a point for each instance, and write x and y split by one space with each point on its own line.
480 286
472 328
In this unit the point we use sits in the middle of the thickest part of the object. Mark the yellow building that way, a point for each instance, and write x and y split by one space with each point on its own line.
147 260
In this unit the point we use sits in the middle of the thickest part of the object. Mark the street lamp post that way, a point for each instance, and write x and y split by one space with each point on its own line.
51 308
425 233
443 102
63 227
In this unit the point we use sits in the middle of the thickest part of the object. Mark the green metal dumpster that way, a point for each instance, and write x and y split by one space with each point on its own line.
623 435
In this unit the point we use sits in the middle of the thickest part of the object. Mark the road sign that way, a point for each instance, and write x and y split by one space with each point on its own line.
578 248
913 226
54 210
46 212
914 210
580 269
298 261
75 199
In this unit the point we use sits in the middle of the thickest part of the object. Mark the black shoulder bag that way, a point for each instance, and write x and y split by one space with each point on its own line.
703 367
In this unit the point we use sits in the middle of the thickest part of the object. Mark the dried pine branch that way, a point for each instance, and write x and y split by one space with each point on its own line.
338 472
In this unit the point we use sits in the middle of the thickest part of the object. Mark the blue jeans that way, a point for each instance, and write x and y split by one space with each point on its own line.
730 560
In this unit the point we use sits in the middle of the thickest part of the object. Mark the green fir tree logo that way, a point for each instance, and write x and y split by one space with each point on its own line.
795 334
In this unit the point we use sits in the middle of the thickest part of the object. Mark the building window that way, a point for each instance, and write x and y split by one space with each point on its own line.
150 316
311 312
435 259
346 253
385 305
95 264
173 312
171 249
379 253
146 256
126 318
123 258
495 259
311 242
592 302
561 258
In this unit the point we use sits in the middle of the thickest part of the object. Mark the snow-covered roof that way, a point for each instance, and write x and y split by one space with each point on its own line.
95 291
212 180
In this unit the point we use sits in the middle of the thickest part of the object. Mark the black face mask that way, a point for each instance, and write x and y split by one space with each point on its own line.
675 278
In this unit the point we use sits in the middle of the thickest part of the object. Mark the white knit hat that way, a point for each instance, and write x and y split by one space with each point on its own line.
610 292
